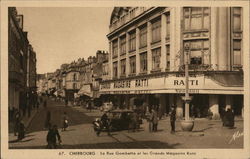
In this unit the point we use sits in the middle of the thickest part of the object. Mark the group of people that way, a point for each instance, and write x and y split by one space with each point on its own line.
154 118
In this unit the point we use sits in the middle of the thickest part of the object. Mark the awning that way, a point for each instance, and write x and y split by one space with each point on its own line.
228 80
85 90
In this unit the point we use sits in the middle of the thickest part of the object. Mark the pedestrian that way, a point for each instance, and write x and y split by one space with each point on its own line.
66 102
134 121
47 123
105 123
173 118
65 121
45 103
150 120
17 117
229 118
21 131
155 120
52 135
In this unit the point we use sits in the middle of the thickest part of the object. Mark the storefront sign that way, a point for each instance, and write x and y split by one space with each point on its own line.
190 91
122 84
141 82
182 82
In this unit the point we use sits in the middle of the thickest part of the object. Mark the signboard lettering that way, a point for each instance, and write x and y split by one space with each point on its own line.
182 83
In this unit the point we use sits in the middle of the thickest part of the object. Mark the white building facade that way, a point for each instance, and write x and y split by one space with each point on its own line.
147 58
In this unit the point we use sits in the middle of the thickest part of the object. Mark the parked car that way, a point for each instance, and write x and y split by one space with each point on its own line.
119 119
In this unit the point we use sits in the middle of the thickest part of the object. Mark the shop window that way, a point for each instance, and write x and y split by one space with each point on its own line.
156 31
115 70
196 18
74 86
123 67
132 63
143 37
132 41
143 62
123 45
156 58
115 48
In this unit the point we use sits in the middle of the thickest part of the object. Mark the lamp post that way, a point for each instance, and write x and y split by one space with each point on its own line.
187 124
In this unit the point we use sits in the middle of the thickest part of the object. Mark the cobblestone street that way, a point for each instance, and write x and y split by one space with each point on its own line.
80 134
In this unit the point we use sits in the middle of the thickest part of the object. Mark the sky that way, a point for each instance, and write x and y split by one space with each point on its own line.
62 35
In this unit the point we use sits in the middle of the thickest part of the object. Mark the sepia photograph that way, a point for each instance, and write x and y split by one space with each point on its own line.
126 77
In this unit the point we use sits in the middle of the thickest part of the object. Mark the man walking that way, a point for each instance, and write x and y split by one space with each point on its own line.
53 133
172 119
155 120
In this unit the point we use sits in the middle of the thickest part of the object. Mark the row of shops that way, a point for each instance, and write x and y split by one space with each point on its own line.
213 92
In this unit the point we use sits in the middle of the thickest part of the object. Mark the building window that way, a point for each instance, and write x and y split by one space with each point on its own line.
74 77
156 31
115 48
199 52
196 18
115 70
236 36
168 26
156 58
123 67
74 86
168 57
132 63
143 37
237 52
236 19
123 45
143 62
132 41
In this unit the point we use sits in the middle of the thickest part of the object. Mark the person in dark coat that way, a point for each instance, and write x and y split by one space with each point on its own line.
150 121
105 123
21 131
172 119
53 133
17 118
155 120
65 121
229 118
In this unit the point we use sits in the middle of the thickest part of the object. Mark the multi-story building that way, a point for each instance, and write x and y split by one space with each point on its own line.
18 46
146 61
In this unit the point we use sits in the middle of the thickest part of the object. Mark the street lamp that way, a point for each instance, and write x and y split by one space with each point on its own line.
187 124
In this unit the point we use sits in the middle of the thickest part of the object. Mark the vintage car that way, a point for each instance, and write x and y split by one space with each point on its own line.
120 119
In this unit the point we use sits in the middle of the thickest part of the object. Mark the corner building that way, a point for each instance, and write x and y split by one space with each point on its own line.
147 58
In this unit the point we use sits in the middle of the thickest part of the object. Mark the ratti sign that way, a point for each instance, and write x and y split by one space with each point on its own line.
180 82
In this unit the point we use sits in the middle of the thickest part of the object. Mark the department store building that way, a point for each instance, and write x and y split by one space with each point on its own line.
146 60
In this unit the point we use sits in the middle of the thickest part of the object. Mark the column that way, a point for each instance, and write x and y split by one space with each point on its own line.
162 106
179 108
228 102
214 106
118 58
149 52
175 38
223 42
137 33
163 42
127 54
214 37
110 60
